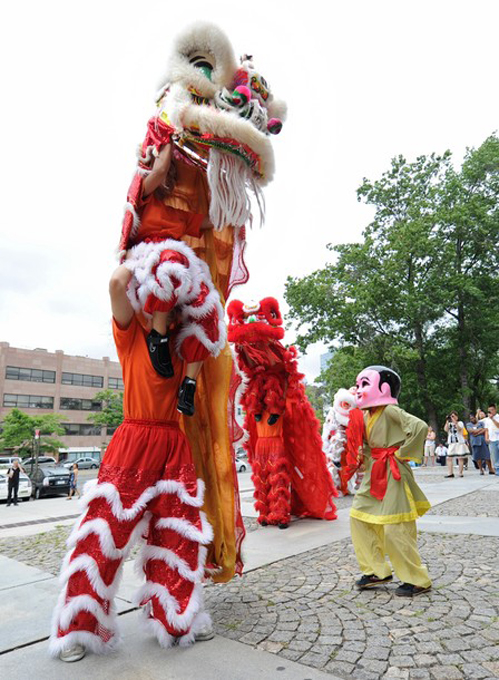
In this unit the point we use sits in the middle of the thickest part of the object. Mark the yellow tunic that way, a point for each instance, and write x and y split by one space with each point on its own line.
404 501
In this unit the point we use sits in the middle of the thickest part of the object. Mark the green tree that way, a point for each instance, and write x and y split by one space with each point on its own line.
396 298
18 431
111 414
318 400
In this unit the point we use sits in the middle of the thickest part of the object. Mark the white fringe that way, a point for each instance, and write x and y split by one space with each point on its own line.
229 179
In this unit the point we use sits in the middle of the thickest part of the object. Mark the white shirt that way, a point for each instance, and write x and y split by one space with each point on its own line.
441 450
493 430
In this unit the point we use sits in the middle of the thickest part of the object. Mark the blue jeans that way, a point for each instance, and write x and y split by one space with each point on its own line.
494 454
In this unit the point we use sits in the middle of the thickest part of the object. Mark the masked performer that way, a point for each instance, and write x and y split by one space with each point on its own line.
342 435
205 148
385 509
284 446
182 246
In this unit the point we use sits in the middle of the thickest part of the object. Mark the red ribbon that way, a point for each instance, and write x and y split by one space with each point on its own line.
379 479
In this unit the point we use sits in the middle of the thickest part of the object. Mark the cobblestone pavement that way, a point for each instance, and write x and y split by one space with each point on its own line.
306 609
483 503
46 550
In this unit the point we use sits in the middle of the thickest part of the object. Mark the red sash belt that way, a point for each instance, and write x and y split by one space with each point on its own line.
379 478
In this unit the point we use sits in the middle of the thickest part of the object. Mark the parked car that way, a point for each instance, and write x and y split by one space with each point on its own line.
8 460
24 491
84 463
49 479
41 460
241 466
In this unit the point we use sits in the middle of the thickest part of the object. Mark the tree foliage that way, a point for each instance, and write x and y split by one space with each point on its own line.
111 414
18 432
418 292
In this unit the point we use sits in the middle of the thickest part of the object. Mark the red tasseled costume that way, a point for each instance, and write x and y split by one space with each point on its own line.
289 467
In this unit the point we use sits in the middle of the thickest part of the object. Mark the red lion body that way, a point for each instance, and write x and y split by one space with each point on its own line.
283 445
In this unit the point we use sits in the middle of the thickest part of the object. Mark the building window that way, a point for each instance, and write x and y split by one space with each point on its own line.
31 374
69 404
111 430
82 430
82 380
115 384
27 401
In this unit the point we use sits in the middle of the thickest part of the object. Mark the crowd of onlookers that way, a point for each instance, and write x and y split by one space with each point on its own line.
478 436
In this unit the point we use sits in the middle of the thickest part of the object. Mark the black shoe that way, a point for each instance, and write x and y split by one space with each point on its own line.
371 581
447 476
283 525
274 417
159 353
408 590
9 503
186 394
16 503
258 417
264 523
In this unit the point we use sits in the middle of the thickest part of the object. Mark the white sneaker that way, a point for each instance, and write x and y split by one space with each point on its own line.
205 633
74 653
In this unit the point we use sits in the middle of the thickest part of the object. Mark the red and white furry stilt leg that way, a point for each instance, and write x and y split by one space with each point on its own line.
124 505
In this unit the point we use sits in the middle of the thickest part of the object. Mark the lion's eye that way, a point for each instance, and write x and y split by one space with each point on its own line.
201 62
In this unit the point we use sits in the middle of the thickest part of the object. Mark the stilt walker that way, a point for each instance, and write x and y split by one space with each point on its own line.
384 511
181 249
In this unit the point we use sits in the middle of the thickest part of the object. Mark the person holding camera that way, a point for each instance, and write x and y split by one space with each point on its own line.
456 443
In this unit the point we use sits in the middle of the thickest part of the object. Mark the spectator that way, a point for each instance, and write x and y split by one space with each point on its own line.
13 474
478 439
492 425
73 482
441 454
456 443
429 448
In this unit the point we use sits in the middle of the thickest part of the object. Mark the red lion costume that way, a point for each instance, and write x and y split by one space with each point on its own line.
284 446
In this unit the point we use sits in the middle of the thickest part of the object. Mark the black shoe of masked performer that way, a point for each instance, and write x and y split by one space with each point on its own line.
186 395
159 353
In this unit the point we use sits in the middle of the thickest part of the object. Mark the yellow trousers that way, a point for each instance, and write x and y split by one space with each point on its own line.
399 541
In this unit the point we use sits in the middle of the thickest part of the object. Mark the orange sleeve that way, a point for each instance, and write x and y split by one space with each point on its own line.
124 338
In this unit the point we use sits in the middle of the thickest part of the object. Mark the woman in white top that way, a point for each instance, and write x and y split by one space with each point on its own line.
456 443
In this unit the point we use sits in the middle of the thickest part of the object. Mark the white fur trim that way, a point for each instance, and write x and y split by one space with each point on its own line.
201 620
201 37
101 528
170 605
166 486
156 628
83 637
154 552
136 219
187 529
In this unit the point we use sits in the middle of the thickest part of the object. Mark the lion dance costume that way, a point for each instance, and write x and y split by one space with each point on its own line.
284 446
166 479
342 435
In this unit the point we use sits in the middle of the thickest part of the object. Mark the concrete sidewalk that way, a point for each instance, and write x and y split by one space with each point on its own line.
27 597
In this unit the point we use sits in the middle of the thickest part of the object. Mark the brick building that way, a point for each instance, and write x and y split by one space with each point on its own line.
37 381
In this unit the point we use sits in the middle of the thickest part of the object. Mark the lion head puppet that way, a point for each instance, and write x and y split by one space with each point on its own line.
222 115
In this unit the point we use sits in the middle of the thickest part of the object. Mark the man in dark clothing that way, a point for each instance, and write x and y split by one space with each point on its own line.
13 485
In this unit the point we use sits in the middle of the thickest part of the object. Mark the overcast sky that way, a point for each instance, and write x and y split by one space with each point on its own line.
364 81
